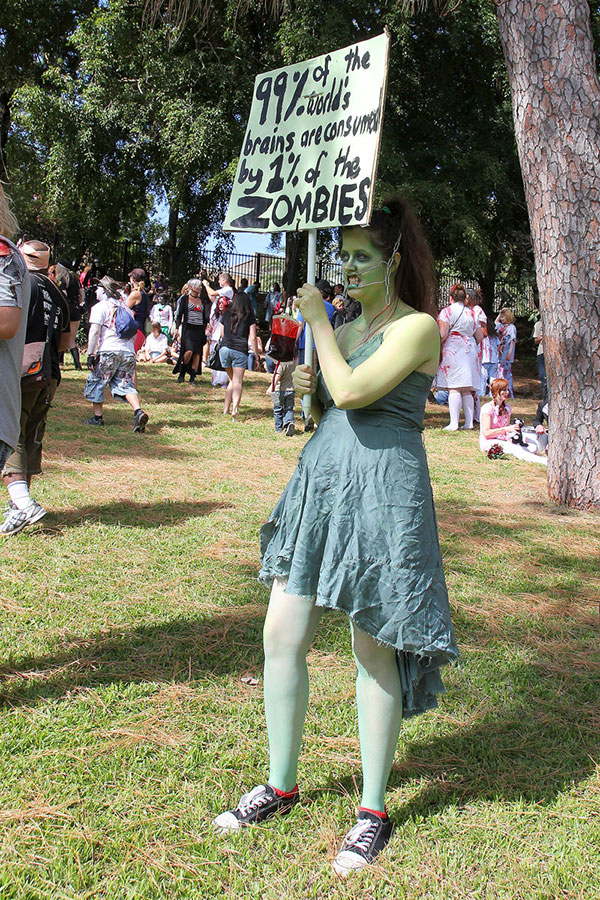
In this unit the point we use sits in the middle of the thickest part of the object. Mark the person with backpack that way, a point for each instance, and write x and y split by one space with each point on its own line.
111 354
47 333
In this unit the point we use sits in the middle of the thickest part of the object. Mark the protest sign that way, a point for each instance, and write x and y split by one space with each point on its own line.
310 152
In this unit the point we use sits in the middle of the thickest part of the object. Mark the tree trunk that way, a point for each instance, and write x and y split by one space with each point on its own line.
173 225
487 283
549 53
295 261
4 126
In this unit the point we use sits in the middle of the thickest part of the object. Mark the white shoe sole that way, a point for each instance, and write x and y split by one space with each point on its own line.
14 531
227 823
346 863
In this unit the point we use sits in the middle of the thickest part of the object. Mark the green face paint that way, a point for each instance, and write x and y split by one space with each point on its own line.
363 266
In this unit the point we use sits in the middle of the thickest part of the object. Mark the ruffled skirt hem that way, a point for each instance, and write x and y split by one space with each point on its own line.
419 671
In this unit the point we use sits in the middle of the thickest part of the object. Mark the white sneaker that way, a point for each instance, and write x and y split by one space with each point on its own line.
449 428
259 804
363 843
17 519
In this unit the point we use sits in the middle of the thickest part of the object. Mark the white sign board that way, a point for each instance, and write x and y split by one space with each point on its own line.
310 153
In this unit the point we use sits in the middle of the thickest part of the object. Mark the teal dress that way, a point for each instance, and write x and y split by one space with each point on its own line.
356 529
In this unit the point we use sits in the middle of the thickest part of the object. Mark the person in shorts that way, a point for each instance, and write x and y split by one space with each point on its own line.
239 329
111 359
47 327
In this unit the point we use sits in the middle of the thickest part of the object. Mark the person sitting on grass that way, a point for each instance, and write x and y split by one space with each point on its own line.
111 355
536 436
495 427
156 346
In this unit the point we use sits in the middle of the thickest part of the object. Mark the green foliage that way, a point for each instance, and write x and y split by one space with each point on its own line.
453 145
146 116
34 37
120 119
448 139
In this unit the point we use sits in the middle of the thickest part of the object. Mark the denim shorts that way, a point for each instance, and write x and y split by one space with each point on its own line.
233 358
115 369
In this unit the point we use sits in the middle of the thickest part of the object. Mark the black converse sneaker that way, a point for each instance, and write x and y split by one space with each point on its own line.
261 803
363 843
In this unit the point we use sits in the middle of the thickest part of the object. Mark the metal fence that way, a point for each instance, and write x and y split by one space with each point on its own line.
120 257
520 300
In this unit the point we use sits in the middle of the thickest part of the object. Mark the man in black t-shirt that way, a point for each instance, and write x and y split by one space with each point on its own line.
47 323
69 284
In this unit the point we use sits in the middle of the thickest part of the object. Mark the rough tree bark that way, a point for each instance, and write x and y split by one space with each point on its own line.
549 53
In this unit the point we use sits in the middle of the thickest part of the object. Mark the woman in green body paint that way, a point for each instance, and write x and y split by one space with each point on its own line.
355 528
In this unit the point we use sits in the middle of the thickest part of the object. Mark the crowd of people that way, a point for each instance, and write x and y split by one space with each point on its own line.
41 308
231 329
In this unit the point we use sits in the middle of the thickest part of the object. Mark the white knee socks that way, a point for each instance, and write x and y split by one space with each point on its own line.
468 405
455 403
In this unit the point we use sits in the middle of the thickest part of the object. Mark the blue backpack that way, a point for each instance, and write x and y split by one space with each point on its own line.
124 323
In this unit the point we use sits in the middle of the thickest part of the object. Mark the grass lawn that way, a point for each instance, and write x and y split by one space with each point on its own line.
131 615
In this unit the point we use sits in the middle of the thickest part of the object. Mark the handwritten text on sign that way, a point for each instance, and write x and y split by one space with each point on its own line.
311 145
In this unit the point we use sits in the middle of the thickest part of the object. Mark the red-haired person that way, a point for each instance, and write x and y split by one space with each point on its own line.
495 427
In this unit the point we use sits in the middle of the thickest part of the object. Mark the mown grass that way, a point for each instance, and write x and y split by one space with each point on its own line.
130 617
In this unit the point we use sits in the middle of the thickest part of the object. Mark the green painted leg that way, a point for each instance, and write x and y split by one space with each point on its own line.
290 626
379 701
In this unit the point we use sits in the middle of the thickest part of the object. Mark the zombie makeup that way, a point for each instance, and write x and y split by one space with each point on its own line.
362 264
